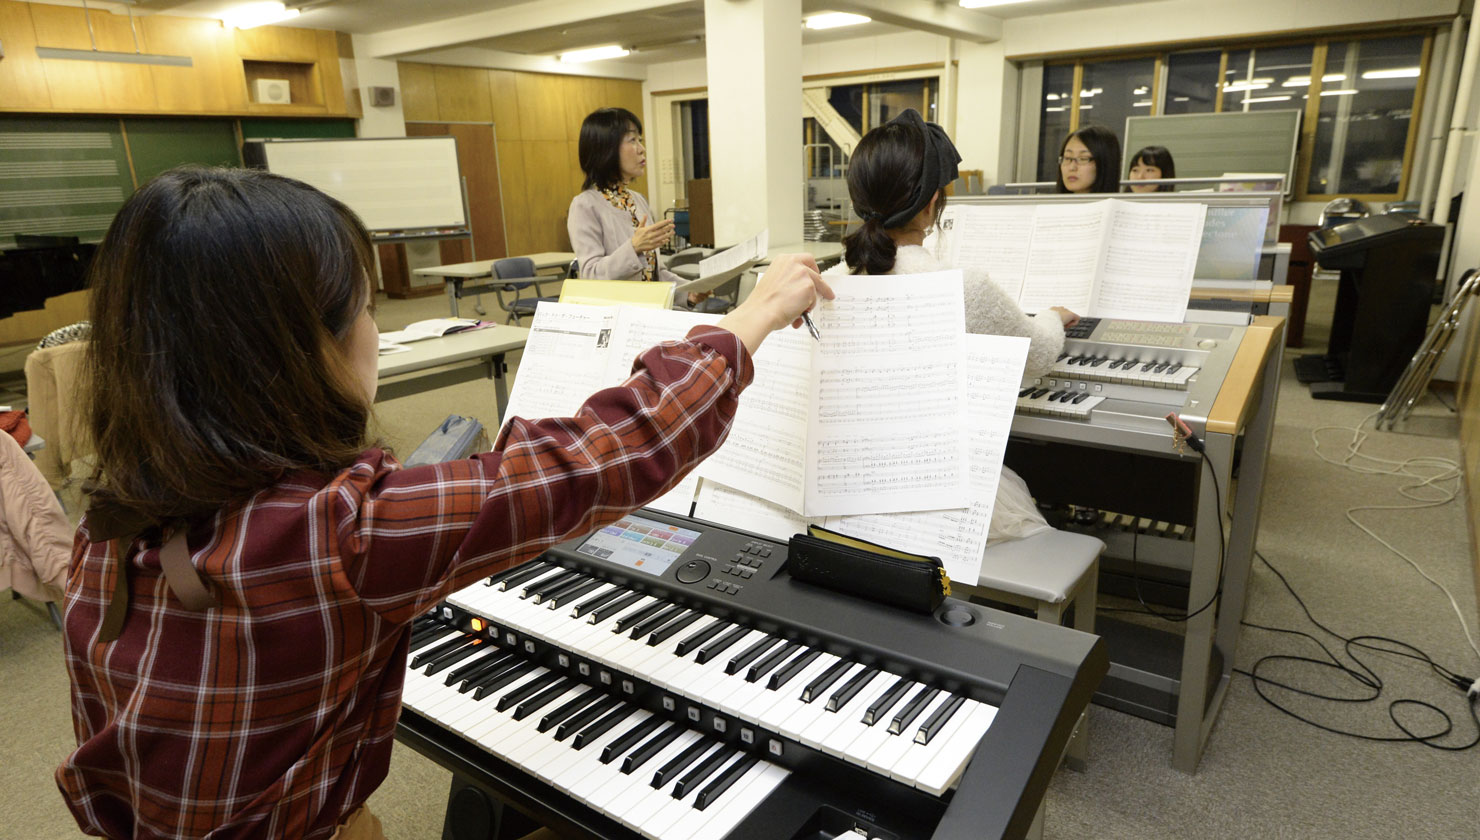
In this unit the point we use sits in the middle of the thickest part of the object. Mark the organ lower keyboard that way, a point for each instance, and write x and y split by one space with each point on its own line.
665 678
1116 374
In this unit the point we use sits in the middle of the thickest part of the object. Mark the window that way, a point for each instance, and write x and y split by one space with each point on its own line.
865 106
1356 97
694 115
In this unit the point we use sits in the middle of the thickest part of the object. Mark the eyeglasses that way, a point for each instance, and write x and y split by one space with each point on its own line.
1082 161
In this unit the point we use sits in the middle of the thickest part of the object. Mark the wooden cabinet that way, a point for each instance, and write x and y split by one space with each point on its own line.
224 65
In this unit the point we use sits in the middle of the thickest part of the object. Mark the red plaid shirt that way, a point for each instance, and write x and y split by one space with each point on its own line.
273 715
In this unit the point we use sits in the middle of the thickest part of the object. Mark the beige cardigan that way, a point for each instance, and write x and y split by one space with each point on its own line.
35 539
601 236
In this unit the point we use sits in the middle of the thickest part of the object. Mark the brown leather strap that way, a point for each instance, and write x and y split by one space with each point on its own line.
117 609
184 580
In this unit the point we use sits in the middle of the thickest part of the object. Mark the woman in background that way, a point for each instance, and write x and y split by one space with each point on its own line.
1089 161
1149 164
896 179
611 228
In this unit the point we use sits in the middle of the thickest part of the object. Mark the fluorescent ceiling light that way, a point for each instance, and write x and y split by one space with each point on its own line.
1141 91
1052 97
1180 98
1334 77
1304 81
594 54
1053 110
1399 73
832 20
1341 92
983 4
1143 104
1268 99
258 14
1090 92
119 57
1238 86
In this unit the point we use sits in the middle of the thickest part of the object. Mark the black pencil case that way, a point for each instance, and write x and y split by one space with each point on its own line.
868 570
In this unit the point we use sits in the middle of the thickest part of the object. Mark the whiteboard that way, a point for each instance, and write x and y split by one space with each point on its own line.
393 183
1208 145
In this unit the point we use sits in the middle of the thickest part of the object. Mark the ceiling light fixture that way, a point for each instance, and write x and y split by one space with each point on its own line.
1341 92
1398 73
1238 86
986 4
594 54
833 20
1267 99
250 15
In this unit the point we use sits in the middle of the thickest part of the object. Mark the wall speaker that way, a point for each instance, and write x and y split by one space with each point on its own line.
382 97
272 91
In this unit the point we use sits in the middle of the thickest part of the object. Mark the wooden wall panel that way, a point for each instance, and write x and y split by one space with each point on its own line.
582 96
504 100
186 89
74 85
541 107
418 92
516 196
462 94
128 87
283 43
23 81
547 198
477 157
329 74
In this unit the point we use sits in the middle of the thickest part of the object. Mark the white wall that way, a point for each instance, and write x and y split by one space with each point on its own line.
900 49
378 72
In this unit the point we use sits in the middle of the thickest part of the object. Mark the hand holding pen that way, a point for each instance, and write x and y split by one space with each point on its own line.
783 295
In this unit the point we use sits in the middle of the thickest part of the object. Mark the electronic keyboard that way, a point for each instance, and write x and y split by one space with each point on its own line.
664 677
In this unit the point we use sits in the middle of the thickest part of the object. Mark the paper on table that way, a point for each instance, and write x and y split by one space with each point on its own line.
389 347
431 328
994 371
750 250
890 347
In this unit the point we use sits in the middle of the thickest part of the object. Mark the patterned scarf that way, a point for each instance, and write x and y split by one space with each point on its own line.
621 199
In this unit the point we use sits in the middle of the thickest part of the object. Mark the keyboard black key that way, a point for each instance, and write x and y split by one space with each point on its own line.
850 689
560 599
560 713
543 699
1176 366
527 690
1161 368
630 739
723 781
447 660
881 706
923 698
486 666
938 720
676 765
614 607
651 747
548 584
422 638
1147 366
500 577
496 682
742 659
785 673
703 635
704 770
638 616
620 711
597 601
525 573
815 688
672 628
648 625
716 647
1100 360
548 598
1081 398
582 719
1038 393
430 653
771 660
495 670
1026 391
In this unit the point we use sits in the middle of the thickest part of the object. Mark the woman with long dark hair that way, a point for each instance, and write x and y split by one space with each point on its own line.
1089 161
1150 164
896 179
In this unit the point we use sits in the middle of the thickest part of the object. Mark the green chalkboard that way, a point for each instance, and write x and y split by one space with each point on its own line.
60 176
159 144
1208 145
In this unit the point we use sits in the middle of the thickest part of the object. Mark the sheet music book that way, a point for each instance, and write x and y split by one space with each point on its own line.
573 351
751 250
871 418
1101 259
957 536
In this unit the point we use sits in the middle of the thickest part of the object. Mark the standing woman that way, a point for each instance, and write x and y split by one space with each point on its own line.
1089 161
1149 164
896 179
611 228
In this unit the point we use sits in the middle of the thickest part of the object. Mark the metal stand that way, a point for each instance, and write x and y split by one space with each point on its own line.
1415 380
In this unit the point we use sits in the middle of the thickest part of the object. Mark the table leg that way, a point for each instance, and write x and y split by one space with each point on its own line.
452 284
500 387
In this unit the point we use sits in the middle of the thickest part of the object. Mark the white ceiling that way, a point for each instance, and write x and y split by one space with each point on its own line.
666 33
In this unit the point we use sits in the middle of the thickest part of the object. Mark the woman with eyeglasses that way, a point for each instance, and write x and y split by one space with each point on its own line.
1089 161
896 179
1149 164
611 228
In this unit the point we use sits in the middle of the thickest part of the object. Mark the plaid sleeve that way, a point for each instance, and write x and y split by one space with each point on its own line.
410 537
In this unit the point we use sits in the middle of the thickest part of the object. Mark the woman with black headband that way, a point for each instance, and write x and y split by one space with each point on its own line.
896 179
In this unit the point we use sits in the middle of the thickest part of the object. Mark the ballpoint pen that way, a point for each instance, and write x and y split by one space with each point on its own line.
811 327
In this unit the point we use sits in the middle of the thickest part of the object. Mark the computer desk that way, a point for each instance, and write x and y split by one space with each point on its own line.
456 275
452 359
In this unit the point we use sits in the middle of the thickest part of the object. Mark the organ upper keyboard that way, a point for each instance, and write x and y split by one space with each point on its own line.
1129 374
664 677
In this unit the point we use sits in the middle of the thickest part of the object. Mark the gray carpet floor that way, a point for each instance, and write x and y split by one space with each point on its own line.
1263 774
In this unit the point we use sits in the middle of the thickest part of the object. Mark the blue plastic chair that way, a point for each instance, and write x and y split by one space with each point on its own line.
520 274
